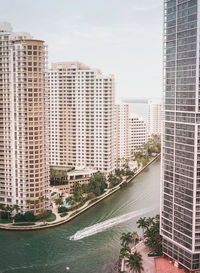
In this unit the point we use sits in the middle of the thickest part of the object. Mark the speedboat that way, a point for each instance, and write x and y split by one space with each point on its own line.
71 238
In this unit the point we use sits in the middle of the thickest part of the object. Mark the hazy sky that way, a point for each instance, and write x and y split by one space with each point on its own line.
121 37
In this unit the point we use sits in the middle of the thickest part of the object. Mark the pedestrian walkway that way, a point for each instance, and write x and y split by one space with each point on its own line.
148 262
164 265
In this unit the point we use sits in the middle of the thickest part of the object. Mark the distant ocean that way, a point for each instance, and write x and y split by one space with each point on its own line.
140 109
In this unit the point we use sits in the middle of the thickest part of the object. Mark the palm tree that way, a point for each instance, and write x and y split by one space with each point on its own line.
157 217
125 251
142 224
16 208
135 237
9 210
53 173
135 262
149 221
126 239
59 201
1 208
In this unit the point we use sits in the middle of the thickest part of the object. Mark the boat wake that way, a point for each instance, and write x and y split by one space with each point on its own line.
99 227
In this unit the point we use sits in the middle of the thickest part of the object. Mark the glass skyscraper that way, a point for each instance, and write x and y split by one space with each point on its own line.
180 192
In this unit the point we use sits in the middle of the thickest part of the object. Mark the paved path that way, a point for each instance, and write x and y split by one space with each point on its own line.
148 262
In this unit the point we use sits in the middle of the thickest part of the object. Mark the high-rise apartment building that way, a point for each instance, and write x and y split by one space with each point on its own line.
180 193
122 132
137 133
24 172
81 111
154 117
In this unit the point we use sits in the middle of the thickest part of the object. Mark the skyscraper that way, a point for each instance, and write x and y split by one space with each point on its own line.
81 112
122 132
24 172
180 193
137 133
154 117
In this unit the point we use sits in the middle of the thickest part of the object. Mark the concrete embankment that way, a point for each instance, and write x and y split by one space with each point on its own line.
80 210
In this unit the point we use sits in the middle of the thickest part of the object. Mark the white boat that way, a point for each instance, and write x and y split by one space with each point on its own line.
71 238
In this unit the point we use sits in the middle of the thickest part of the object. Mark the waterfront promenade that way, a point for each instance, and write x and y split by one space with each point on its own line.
147 262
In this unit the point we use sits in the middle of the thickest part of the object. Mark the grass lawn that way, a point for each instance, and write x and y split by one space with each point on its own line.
5 221
51 218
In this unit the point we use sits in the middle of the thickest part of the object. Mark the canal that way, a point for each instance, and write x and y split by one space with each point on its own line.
99 230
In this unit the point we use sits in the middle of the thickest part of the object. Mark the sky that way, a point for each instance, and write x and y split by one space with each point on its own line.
121 37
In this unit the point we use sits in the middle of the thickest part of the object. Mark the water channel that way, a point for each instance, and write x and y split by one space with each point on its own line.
98 230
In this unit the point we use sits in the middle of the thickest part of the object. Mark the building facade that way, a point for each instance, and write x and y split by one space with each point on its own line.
24 171
73 177
154 117
180 192
81 111
137 133
122 133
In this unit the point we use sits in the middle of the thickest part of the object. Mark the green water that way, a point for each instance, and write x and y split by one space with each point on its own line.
50 251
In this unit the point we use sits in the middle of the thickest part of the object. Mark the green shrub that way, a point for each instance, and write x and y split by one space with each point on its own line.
29 216
62 209
19 217
44 215
63 214
5 215
26 217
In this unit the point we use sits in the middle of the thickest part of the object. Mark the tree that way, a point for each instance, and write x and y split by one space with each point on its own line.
97 184
125 251
26 217
71 201
2 208
78 192
9 210
59 201
119 172
142 224
114 181
62 209
91 195
149 222
53 173
126 239
19 217
29 216
135 237
153 239
44 215
135 262
16 208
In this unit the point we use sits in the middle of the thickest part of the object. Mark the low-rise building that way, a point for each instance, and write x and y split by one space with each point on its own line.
68 177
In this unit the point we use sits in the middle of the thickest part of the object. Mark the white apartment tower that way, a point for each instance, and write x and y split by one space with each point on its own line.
154 117
81 110
137 133
122 132
24 172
